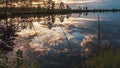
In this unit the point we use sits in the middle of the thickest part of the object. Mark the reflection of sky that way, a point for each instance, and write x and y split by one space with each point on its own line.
81 33
59 39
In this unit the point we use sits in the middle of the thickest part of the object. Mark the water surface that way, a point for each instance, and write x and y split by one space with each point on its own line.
60 40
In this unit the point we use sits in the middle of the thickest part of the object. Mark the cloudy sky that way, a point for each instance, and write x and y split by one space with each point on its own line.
93 3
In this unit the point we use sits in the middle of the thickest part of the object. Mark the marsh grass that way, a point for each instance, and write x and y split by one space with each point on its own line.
15 61
104 58
107 58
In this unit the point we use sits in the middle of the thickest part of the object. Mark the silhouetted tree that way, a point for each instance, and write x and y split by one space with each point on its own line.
39 7
61 5
80 8
7 3
30 3
68 7
53 5
49 2
86 8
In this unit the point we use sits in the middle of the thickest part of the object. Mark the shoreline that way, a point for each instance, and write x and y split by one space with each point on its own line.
19 11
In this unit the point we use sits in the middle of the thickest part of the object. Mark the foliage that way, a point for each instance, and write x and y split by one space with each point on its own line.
106 58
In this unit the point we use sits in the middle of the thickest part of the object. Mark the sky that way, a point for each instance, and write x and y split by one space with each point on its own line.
92 3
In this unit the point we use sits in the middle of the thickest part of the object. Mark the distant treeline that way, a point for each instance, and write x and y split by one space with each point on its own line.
44 5
11 7
38 10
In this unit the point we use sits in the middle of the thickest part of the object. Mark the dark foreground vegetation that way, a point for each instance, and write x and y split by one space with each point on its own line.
106 58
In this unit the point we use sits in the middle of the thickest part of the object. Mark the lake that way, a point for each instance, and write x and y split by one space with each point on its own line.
59 40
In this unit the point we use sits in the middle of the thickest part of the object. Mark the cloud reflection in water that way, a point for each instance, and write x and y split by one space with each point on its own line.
36 38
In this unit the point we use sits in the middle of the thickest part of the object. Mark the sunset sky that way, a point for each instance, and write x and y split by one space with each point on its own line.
92 3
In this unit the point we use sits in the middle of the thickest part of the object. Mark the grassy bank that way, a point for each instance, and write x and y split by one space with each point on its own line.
107 58
104 58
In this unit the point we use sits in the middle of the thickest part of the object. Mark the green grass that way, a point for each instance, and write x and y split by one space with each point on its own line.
105 59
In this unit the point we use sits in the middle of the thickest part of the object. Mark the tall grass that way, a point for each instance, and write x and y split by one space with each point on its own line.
107 58
15 61
104 58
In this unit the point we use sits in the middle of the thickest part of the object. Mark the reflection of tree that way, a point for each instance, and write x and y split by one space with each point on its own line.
51 21
9 27
80 14
7 35
61 18
68 16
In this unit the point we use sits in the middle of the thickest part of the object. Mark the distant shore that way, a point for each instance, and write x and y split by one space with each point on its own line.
17 11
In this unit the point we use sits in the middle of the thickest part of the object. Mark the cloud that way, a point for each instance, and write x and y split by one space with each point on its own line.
78 1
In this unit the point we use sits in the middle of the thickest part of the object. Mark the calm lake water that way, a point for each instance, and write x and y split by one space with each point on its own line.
59 40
